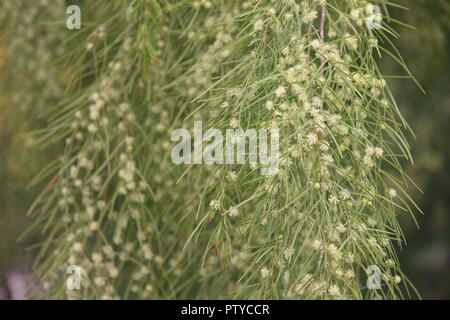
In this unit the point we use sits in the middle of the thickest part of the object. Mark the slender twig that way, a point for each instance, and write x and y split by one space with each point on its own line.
323 18
322 23
309 38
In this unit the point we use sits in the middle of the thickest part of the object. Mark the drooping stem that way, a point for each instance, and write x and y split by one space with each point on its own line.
323 18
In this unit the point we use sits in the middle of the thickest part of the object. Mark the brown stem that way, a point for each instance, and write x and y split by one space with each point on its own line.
323 18
309 39
322 23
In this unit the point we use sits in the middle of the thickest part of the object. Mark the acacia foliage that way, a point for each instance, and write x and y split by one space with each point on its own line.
141 227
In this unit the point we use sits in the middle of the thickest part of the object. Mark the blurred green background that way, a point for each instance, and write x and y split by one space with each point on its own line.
426 256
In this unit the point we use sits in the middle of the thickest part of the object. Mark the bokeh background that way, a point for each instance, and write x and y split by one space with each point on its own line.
426 256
